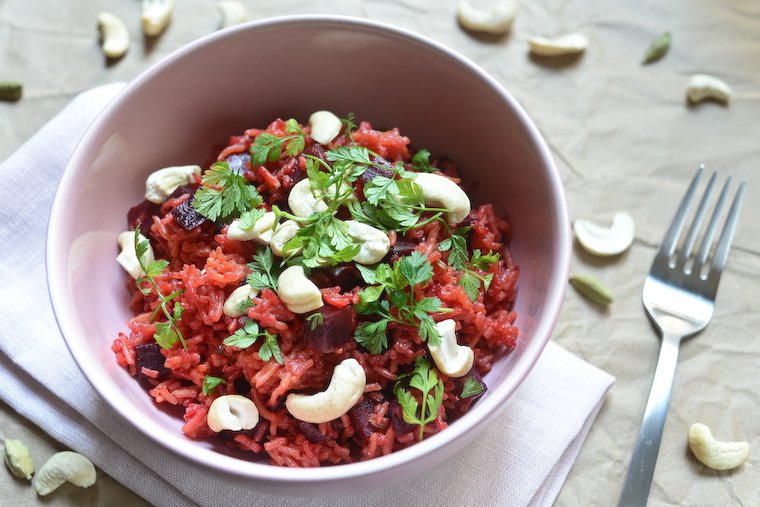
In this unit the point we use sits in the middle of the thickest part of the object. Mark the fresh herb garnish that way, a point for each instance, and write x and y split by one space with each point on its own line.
249 218
249 334
167 333
210 383
264 273
315 320
268 147
349 123
425 379
457 243
398 282
244 305
421 162
471 388
471 279
225 194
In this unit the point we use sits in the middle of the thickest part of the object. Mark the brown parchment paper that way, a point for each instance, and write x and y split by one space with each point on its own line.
624 139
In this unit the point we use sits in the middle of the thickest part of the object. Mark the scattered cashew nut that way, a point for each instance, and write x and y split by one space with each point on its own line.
570 44
496 20
713 453
237 296
439 191
302 200
128 256
374 243
298 293
284 233
64 466
325 126
232 412
261 232
346 387
114 34
603 241
703 87
450 358
233 13
160 184
155 16
18 458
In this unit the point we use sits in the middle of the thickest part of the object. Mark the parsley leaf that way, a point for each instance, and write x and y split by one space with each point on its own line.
421 162
315 320
244 305
263 274
270 348
471 388
268 147
224 194
249 334
471 279
424 379
349 123
372 336
249 218
210 383
457 243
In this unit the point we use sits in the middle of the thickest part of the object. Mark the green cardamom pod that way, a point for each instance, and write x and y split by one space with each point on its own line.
591 289
10 90
658 48
18 459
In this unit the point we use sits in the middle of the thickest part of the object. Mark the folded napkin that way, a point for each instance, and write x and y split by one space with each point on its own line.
521 459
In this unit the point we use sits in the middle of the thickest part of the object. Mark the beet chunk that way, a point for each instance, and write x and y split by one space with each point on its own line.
311 432
142 215
149 356
336 329
360 415
346 276
316 150
242 386
401 249
186 216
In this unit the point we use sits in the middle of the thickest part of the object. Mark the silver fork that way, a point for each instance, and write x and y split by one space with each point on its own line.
679 297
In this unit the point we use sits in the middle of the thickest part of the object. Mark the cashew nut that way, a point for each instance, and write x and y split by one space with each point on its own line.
298 293
603 241
439 191
713 453
303 202
128 256
284 233
156 14
160 184
65 466
233 13
346 387
703 87
325 126
232 412
236 297
570 44
450 358
18 458
115 35
374 243
261 232
496 20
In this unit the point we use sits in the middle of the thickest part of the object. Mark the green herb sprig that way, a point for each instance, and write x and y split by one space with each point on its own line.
210 383
471 279
224 194
264 273
249 334
167 333
425 379
471 388
268 147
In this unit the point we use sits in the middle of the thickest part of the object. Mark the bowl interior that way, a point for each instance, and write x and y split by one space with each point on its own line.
245 77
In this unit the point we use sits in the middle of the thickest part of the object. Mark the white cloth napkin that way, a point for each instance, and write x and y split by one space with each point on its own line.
521 459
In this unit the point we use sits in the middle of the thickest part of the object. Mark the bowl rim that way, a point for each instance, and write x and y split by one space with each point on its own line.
470 423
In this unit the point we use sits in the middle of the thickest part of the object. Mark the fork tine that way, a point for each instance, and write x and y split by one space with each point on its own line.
724 244
696 224
704 249
670 241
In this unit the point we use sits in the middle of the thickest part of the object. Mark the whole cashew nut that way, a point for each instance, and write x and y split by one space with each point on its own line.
261 232
450 358
284 233
346 387
160 184
374 243
303 202
713 453
606 241
128 256
439 191
232 412
237 296
298 293
496 20
114 34
65 466
703 87
233 13
18 458
155 16
325 126
570 44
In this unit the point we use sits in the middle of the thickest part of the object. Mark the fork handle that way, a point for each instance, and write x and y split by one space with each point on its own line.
638 481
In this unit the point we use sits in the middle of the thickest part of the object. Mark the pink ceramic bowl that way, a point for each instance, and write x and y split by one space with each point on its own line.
289 67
